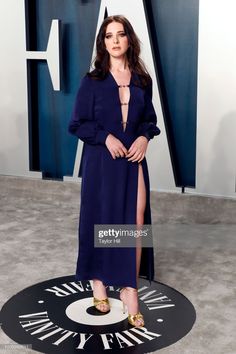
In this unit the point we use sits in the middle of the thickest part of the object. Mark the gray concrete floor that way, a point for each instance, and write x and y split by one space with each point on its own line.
195 248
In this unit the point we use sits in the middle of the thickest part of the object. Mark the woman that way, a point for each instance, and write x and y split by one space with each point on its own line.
115 118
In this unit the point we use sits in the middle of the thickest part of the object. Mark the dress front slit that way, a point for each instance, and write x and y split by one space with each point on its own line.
142 211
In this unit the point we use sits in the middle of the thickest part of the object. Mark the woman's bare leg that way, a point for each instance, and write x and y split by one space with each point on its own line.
131 297
141 204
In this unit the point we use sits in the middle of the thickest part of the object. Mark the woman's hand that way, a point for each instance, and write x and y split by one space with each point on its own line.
138 149
115 146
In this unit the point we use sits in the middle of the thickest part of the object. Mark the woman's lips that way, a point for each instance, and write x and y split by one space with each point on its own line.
116 48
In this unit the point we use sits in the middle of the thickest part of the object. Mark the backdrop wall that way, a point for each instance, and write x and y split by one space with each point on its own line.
190 55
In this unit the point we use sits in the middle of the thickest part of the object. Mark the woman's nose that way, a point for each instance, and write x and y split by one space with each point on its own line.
115 40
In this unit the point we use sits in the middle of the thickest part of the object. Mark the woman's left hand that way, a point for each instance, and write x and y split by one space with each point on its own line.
138 149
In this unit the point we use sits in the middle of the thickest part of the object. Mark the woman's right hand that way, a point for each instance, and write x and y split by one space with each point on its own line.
115 146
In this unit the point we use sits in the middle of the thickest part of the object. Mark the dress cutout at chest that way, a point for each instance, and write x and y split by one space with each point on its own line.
124 94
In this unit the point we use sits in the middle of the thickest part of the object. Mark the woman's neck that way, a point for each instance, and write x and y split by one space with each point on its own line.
118 64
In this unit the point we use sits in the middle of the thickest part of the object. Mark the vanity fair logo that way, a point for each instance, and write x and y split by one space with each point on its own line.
57 316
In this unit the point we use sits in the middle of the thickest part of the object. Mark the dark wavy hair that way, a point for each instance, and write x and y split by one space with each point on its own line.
102 59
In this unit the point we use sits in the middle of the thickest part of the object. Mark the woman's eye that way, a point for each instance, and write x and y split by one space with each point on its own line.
110 36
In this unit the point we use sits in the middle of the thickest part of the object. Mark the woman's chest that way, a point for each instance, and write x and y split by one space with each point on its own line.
110 103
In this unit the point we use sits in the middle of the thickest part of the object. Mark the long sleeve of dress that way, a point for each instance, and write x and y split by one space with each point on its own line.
82 123
148 126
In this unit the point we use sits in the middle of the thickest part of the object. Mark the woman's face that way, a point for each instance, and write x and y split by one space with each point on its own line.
116 40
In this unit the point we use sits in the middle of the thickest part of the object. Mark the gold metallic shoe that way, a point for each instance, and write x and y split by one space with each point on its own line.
132 319
97 302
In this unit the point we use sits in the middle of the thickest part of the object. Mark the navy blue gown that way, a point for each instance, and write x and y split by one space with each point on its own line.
109 186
